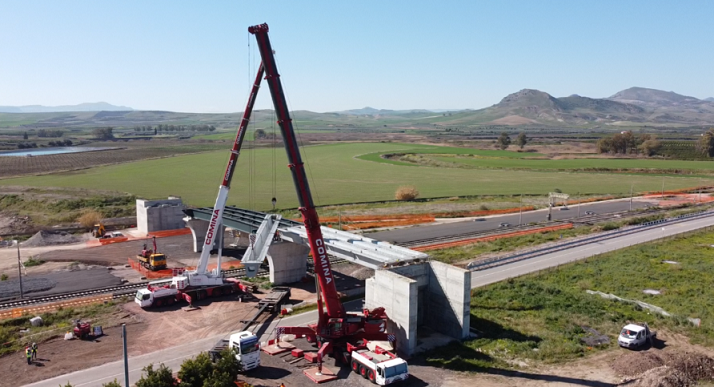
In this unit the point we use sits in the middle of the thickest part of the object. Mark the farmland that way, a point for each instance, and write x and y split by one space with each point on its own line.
336 174
491 159
540 317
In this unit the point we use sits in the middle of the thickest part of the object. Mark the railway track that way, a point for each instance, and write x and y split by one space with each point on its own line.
119 291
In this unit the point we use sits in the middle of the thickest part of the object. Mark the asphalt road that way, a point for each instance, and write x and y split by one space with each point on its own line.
448 229
515 269
171 357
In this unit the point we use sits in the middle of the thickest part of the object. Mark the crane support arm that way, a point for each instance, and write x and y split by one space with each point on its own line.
323 271
214 225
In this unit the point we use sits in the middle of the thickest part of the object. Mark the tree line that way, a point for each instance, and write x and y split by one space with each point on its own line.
705 145
504 140
628 143
174 128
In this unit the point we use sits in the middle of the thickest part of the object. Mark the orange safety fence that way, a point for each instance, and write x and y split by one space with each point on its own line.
136 265
590 200
676 191
35 310
492 237
385 223
158 234
169 233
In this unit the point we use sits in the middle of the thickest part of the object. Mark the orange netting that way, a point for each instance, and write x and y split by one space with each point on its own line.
492 237
136 265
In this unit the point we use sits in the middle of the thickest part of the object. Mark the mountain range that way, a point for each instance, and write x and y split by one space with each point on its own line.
636 106
82 107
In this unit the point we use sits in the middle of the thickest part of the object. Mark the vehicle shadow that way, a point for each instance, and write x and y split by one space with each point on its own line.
268 373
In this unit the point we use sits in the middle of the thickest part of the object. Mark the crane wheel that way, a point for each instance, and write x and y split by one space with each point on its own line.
217 292
355 366
363 371
371 375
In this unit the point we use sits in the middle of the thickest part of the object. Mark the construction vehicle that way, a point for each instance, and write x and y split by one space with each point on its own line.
99 231
246 347
336 331
82 330
200 283
151 259
636 336
377 364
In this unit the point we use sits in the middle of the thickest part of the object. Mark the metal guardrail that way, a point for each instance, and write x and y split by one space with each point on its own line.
498 261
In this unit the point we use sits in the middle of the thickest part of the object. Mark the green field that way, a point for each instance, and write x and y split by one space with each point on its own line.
337 176
541 316
491 159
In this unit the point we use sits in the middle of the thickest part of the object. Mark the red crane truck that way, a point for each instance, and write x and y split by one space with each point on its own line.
336 332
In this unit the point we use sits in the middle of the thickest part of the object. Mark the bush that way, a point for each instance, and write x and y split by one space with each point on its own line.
406 193
89 218
3 277
33 262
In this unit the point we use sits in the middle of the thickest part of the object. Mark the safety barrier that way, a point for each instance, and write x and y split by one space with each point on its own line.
35 310
496 261
492 237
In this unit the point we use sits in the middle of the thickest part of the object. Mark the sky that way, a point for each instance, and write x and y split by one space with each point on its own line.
192 56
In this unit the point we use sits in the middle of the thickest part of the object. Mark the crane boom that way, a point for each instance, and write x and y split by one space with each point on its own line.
323 271
214 225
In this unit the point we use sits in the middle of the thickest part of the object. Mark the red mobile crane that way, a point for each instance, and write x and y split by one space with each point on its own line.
336 331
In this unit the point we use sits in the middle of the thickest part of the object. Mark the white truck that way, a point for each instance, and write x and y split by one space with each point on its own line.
636 336
377 364
246 346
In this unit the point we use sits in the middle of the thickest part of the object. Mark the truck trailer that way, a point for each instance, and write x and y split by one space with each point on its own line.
158 293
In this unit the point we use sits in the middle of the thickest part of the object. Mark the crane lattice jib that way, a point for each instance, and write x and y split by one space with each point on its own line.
323 270
214 225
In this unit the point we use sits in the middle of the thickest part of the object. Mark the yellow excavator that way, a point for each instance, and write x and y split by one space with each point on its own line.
152 259
99 231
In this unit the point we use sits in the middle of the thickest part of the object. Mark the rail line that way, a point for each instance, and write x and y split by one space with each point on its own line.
119 291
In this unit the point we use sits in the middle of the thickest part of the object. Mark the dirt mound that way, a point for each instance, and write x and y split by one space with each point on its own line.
50 238
636 363
679 370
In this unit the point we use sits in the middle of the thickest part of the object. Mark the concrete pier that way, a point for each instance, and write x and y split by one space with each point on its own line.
199 229
288 262
159 215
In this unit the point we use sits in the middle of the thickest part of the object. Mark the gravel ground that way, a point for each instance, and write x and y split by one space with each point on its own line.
75 278
51 238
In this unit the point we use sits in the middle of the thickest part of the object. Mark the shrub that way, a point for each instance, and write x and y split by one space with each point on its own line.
3 277
406 193
89 218
33 262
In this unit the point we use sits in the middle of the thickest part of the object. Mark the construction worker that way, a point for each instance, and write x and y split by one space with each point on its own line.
28 355
34 351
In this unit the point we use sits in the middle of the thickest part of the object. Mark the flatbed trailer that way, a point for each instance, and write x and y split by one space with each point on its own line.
271 303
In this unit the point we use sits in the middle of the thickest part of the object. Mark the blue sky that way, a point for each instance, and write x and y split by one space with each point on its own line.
332 55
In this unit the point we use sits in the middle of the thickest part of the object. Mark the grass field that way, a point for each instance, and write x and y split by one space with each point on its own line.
490 159
540 317
337 176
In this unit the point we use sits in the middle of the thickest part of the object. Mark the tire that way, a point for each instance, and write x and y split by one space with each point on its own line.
170 301
217 292
371 375
158 302
363 371
355 366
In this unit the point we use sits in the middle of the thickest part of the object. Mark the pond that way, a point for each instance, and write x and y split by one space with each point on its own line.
52 151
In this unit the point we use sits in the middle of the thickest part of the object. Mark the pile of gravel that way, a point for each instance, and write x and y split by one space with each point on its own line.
11 287
50 238
679 370
636 363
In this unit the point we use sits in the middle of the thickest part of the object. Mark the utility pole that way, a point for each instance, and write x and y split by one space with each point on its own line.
19 266
632 186
662 187
126 359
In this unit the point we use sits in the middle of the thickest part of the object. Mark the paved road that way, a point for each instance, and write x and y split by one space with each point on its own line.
515 269
440 230
172 357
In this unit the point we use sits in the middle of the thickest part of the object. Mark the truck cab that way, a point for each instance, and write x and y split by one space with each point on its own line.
146 297
377 364
246 347
635 336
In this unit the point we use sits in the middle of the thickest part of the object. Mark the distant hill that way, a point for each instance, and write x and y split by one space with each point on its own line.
82 107
710 99
369 111
652 97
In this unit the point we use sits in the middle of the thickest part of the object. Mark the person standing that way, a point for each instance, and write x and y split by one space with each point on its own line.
34 351
28 355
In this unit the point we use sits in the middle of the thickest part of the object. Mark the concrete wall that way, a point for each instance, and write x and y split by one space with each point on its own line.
158 215
288 262
433 294
199 228
398 295
449 300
